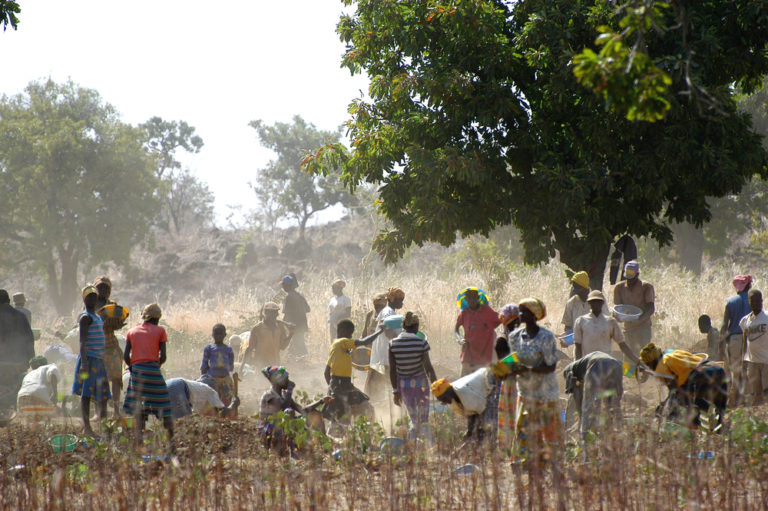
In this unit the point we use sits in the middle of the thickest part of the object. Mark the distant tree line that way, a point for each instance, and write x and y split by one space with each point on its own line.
80 187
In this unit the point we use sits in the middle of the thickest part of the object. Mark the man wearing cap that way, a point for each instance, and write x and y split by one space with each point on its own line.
17 345
595 331
295 310
732 339
633 291
267 339
19 301
577 305
340 307
90 373
478 321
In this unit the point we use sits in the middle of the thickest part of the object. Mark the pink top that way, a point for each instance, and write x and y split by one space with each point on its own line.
145 342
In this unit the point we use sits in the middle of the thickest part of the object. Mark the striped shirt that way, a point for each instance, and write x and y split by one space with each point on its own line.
409 351
95 341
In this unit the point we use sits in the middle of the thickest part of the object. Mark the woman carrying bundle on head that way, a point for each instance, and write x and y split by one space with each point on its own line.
411 373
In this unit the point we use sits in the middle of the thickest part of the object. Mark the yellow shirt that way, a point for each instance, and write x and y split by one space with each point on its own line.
339 358
680 364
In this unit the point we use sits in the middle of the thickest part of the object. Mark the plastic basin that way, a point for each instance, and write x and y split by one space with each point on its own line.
394 321
361 358
627 313
63 443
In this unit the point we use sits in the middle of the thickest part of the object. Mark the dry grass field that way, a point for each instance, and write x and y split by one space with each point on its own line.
221 464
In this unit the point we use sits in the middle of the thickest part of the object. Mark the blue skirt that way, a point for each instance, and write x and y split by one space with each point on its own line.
147 392
91 379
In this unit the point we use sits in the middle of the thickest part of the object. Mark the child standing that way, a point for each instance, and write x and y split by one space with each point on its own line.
338 369
90 371
714 350
218 363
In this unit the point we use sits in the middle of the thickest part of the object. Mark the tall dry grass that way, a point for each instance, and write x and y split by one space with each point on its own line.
680 299
222 465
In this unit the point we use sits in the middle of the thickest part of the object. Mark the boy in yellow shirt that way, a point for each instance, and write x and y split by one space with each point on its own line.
338 369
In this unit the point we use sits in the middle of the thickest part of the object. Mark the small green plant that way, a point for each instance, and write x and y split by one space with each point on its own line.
363 434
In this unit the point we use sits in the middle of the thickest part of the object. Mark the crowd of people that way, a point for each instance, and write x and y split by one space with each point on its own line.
507 389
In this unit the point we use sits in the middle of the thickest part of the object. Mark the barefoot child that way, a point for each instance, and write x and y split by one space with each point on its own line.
90 372
218 363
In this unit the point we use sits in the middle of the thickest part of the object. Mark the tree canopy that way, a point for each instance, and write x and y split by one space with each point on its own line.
283 188
187 200
9 10
77 187
476 119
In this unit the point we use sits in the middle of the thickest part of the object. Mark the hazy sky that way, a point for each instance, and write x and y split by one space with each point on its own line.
216 65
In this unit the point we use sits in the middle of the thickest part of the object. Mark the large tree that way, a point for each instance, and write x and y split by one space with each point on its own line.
732 215
283 184
187 200
476 119
77 187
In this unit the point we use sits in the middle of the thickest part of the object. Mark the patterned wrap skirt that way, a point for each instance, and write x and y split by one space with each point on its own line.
225 387
91 379
147 392
507 402
414 390
113 358
536 428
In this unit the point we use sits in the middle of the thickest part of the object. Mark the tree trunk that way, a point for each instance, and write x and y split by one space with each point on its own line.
690 246
62 284
586 255
303 225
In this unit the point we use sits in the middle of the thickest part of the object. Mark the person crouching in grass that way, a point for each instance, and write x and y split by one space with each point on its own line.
694 384
147 392
469 396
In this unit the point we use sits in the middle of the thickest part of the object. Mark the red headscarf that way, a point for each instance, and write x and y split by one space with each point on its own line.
740 282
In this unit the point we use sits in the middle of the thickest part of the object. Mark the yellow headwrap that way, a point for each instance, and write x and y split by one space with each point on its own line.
440 386
103 280
536 306
650 353
395 293
339 283
88 290
581 279
380 299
